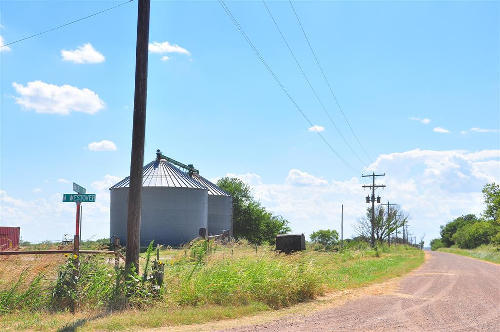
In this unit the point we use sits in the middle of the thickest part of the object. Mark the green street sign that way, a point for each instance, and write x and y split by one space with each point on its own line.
85 198
79 189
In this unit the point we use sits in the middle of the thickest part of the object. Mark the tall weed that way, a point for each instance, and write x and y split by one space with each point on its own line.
34 297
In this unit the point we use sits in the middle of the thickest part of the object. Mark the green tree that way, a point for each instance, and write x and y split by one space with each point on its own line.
448 230
436 244
491 194
325 237
473 235
250 219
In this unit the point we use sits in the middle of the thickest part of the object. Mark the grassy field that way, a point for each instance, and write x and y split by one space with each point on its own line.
231 281
488 253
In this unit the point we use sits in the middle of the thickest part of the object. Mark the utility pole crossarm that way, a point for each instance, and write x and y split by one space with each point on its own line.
373 174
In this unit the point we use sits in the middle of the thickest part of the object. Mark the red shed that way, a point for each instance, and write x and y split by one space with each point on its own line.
9 238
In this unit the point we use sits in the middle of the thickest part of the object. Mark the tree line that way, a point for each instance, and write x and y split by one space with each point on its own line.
470 231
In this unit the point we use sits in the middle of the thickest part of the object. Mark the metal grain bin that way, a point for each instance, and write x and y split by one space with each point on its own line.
174 206
220 207
9 238
288 243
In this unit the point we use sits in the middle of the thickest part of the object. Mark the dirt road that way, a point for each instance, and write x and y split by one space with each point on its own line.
448 293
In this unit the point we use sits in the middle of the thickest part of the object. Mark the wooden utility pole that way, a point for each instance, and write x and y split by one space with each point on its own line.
138 136
373 186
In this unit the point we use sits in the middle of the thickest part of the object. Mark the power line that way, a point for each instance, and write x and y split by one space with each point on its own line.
66 24
327 81
309 82
275 77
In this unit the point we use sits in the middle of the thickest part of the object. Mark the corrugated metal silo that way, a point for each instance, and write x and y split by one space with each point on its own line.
174 206
220 207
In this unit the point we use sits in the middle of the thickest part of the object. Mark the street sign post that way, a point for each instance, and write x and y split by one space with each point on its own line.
79 189
78 198
82 198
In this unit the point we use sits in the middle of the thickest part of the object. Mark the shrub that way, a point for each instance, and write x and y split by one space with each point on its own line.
357 244
473 235
326 237
436 244
452 227
496 239
91 286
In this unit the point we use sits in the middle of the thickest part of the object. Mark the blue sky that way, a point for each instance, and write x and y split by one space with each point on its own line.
213 104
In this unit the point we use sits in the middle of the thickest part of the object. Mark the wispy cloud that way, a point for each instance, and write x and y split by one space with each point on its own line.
83 54
441 130
482 130
3 48
421 120
61 180
166 47
103 145
165 58
316 129
53 99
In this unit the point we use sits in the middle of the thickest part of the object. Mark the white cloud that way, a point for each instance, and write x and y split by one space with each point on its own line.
53 99
61 180
298 177
37 190
107 182
421 120
433 186
249 178
482 130
48 218
165 58
3 48
83 54
316 129
103 145
441 130
166 47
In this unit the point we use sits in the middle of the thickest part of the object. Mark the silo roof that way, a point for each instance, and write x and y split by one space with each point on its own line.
213 189
161 173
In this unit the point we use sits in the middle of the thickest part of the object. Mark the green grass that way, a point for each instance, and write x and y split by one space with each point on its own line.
488 253
232 281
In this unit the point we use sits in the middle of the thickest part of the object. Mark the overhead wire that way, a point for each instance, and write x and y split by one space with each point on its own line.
309 83
327 81
278 81
65 24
